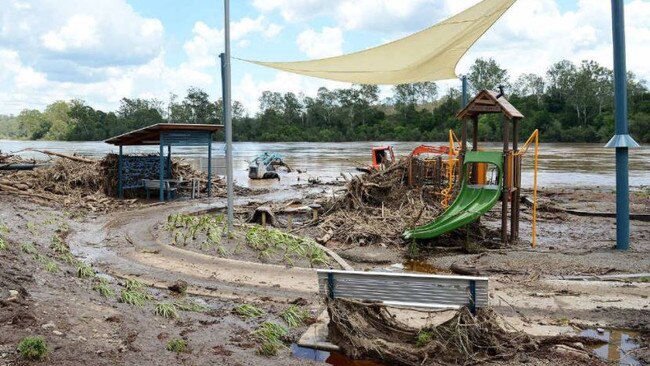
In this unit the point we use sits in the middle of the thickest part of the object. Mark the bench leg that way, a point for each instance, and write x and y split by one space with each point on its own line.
147 190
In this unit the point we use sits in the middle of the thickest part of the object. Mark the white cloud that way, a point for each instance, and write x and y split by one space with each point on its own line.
248 90
203 48
79 32
294 10
532 35
272 30
207 42
327 42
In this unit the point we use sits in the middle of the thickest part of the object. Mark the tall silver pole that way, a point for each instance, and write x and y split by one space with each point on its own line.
228 115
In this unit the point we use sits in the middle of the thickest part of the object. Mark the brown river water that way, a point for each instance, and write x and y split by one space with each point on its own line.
560 164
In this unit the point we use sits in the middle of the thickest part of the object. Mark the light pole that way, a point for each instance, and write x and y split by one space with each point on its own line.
621 140
227 113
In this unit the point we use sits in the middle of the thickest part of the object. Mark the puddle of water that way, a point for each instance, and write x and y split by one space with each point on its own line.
413 265
620 342
330 358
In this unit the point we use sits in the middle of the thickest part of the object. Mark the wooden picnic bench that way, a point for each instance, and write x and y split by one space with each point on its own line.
405 289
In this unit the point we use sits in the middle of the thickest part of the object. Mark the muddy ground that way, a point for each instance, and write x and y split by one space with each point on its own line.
83 327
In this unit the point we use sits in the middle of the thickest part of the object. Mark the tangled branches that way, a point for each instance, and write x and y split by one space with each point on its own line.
379 206
369 330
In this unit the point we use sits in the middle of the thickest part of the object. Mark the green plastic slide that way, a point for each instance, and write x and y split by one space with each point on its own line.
472 200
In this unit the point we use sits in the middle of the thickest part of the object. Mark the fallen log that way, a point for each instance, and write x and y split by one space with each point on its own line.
65 156
464 270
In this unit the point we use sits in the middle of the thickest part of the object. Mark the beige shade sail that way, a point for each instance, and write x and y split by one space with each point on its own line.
428 55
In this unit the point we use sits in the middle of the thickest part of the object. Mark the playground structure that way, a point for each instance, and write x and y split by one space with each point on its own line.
486 176
431 169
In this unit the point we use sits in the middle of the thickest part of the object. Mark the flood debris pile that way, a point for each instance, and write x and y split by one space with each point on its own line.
377 207
77 182
369 330
180 168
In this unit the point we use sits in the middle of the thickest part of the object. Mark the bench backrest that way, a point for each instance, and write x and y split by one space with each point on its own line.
154 184
405 289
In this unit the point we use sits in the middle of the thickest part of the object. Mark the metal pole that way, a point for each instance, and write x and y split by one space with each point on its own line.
210 166
161 172
621 140
228 114
120 189
464 90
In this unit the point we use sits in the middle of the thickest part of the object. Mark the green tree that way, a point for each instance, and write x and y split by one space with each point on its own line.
487 74
57 114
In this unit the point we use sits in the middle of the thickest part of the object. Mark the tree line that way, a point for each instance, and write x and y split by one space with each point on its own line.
569 103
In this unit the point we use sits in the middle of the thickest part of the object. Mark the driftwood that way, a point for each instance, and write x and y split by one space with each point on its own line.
65 156
81 183
464 270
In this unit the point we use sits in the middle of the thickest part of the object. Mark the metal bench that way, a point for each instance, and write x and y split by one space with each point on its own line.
406 289
154 184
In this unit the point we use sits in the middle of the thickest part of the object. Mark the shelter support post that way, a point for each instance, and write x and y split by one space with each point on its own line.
506 185
209 167
161 171
169 160
120 185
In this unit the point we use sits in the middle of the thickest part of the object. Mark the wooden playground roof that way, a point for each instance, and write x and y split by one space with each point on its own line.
150 135
487 102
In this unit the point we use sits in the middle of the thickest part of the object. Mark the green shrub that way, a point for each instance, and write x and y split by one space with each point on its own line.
424 337
102 286
294 315
33 348
190 306
134 293
59 246
85 271
131 297
3 244
51 266
166 310
177 345
247 311
28 248
270 334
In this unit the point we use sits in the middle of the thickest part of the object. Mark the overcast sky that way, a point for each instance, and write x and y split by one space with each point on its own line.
104 50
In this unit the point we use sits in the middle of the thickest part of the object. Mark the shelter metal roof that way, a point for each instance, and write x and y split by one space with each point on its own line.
489 101
150 135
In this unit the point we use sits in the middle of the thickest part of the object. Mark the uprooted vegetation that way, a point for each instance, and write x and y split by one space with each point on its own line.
369 330
83 183
209 233
377 207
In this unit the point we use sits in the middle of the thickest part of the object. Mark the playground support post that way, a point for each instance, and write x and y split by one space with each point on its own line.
516 183
621 140
505 195
225 61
